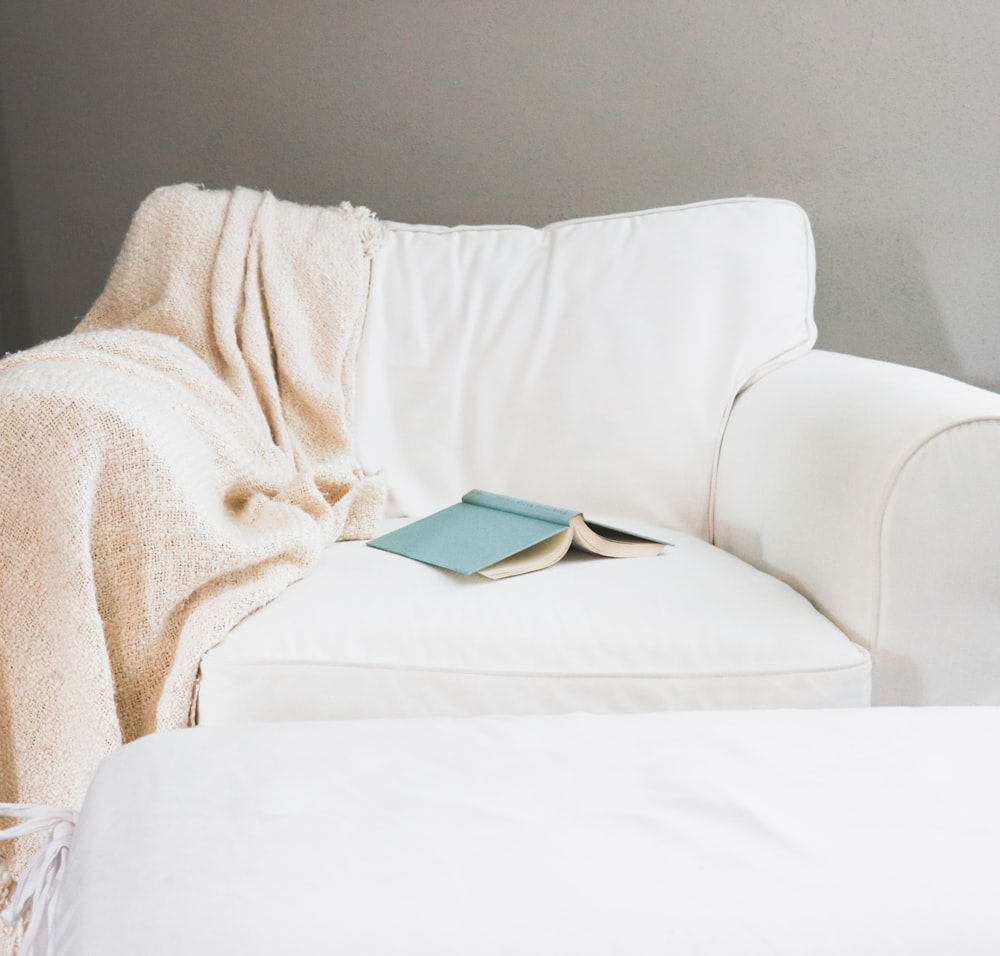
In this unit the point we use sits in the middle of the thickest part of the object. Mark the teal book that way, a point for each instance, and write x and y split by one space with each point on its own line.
497 537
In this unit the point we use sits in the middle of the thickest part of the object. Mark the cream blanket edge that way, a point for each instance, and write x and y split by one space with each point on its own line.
171 466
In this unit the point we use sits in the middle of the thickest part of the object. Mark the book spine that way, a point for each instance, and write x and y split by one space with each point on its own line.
518 506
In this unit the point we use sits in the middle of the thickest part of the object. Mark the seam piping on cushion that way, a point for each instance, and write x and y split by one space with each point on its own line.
633 214
863 664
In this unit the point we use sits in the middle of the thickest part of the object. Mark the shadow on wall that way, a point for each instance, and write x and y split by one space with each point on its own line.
15 329
863 265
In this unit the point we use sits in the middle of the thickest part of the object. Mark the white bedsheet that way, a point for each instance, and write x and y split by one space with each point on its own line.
794 832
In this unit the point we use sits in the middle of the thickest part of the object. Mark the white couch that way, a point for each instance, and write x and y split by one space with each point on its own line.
834 517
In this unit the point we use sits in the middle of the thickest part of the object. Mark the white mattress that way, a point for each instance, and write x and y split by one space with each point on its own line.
817 832
373 634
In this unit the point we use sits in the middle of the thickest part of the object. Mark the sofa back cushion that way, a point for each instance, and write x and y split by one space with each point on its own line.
590 364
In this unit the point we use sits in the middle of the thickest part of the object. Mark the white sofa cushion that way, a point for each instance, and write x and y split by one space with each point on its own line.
828 833
373 634
590 364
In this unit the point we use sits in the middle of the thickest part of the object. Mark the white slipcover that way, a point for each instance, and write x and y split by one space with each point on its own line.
590 364
872 489
861 832
654 368
373 634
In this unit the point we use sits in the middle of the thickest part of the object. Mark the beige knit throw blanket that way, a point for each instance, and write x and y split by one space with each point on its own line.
171 466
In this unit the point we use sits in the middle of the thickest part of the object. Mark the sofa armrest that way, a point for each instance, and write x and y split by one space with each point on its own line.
874 489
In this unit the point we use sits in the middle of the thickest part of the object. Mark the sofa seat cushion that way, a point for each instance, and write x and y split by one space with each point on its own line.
373 634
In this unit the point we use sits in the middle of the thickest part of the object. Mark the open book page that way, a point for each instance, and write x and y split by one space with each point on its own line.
612 542
534 558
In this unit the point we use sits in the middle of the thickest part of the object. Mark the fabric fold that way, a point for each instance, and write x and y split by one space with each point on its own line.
171 466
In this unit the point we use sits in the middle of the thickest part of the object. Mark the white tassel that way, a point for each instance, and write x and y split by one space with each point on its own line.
373 234
33 904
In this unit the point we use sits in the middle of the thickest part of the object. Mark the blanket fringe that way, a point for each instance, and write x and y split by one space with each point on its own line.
31 908
372 232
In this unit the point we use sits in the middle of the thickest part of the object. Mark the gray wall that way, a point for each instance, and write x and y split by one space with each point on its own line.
881 118
14 330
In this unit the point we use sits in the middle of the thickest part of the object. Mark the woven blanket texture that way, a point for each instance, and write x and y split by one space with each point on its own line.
171 466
